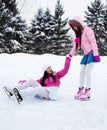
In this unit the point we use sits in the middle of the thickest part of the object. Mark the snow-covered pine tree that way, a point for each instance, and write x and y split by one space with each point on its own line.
95 19
12 27
3 20
49 32
48 29
62 44
36 32
104 42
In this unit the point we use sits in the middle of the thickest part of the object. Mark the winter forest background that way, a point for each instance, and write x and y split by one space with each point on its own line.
47 32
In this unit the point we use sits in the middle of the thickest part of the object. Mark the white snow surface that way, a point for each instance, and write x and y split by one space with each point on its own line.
64 114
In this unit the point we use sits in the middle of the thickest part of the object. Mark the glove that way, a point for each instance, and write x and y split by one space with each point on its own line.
97 58
77 40
69 56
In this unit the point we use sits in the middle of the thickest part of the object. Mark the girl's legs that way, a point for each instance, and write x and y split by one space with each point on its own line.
38 89
29 83
82 75
82 79
88 70
85 75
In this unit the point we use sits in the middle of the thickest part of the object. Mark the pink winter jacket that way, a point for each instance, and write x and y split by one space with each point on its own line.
49 82
88 41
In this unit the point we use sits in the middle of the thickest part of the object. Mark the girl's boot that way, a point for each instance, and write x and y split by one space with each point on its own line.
79 93
86 95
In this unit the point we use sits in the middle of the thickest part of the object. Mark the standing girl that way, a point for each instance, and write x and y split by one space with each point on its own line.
85 39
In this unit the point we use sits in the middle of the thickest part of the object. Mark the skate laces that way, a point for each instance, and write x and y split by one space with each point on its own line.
80 90
86 91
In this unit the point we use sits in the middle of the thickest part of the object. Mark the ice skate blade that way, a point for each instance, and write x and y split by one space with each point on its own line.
77 98
17 95
9 94
85 99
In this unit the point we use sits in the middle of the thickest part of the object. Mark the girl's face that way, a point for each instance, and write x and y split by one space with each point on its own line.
49 70
75 28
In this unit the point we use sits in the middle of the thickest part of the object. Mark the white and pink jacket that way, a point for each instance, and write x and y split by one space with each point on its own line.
88 41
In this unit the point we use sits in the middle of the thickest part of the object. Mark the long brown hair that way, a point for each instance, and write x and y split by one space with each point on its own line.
78 35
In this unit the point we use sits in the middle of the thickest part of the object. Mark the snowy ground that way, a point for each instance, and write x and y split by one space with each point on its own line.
64 114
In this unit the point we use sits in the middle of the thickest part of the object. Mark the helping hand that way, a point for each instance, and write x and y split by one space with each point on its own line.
69 56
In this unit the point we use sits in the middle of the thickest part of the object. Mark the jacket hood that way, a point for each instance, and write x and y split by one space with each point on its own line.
77 21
